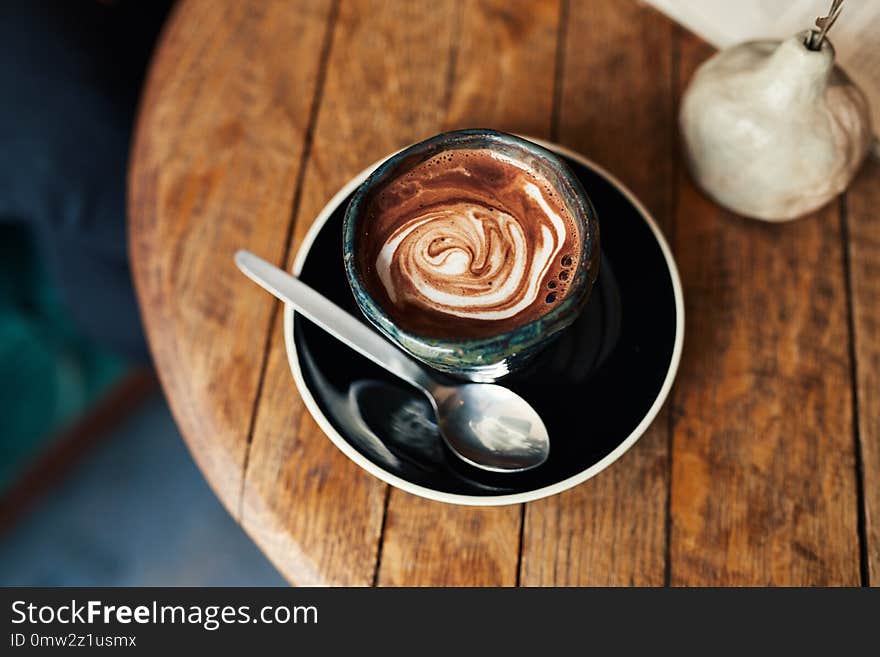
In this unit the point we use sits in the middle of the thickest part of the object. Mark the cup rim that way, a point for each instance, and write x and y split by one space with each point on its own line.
507 498
539 328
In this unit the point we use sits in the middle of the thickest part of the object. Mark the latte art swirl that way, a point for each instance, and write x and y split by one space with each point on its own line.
471 261
468 243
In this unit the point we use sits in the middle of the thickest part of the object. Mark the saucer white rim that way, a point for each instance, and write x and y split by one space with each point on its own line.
488 500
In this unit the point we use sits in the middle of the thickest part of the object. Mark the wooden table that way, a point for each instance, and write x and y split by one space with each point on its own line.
764 468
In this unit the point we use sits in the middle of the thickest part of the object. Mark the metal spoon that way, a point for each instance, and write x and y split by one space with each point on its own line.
486 425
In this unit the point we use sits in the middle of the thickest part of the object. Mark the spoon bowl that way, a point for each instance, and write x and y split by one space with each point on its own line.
491 427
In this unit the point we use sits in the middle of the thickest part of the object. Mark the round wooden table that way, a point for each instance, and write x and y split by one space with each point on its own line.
763 468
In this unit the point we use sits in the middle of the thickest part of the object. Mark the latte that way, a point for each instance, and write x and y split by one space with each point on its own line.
467 244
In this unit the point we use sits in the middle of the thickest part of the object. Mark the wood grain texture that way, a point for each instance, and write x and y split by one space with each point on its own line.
501 75
763 477
215 159
863 218
316 514
611 529
505 66
432 544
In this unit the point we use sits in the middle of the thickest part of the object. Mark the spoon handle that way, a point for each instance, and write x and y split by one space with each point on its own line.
331 318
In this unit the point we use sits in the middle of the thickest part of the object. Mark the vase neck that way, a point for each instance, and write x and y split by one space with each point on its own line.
794 74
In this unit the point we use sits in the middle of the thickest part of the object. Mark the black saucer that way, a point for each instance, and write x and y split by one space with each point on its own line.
597 388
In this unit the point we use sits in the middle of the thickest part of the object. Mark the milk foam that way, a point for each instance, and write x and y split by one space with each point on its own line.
469 261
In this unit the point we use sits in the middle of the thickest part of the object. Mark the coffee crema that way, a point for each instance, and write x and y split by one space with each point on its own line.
468 244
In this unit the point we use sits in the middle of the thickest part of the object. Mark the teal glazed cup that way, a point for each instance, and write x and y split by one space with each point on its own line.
491 358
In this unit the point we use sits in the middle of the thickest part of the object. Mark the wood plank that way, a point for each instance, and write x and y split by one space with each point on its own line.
502 78
215 161
433 544
862 203
763 479
505 63
616 108
316 514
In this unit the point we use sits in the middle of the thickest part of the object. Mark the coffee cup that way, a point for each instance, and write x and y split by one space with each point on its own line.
472 251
